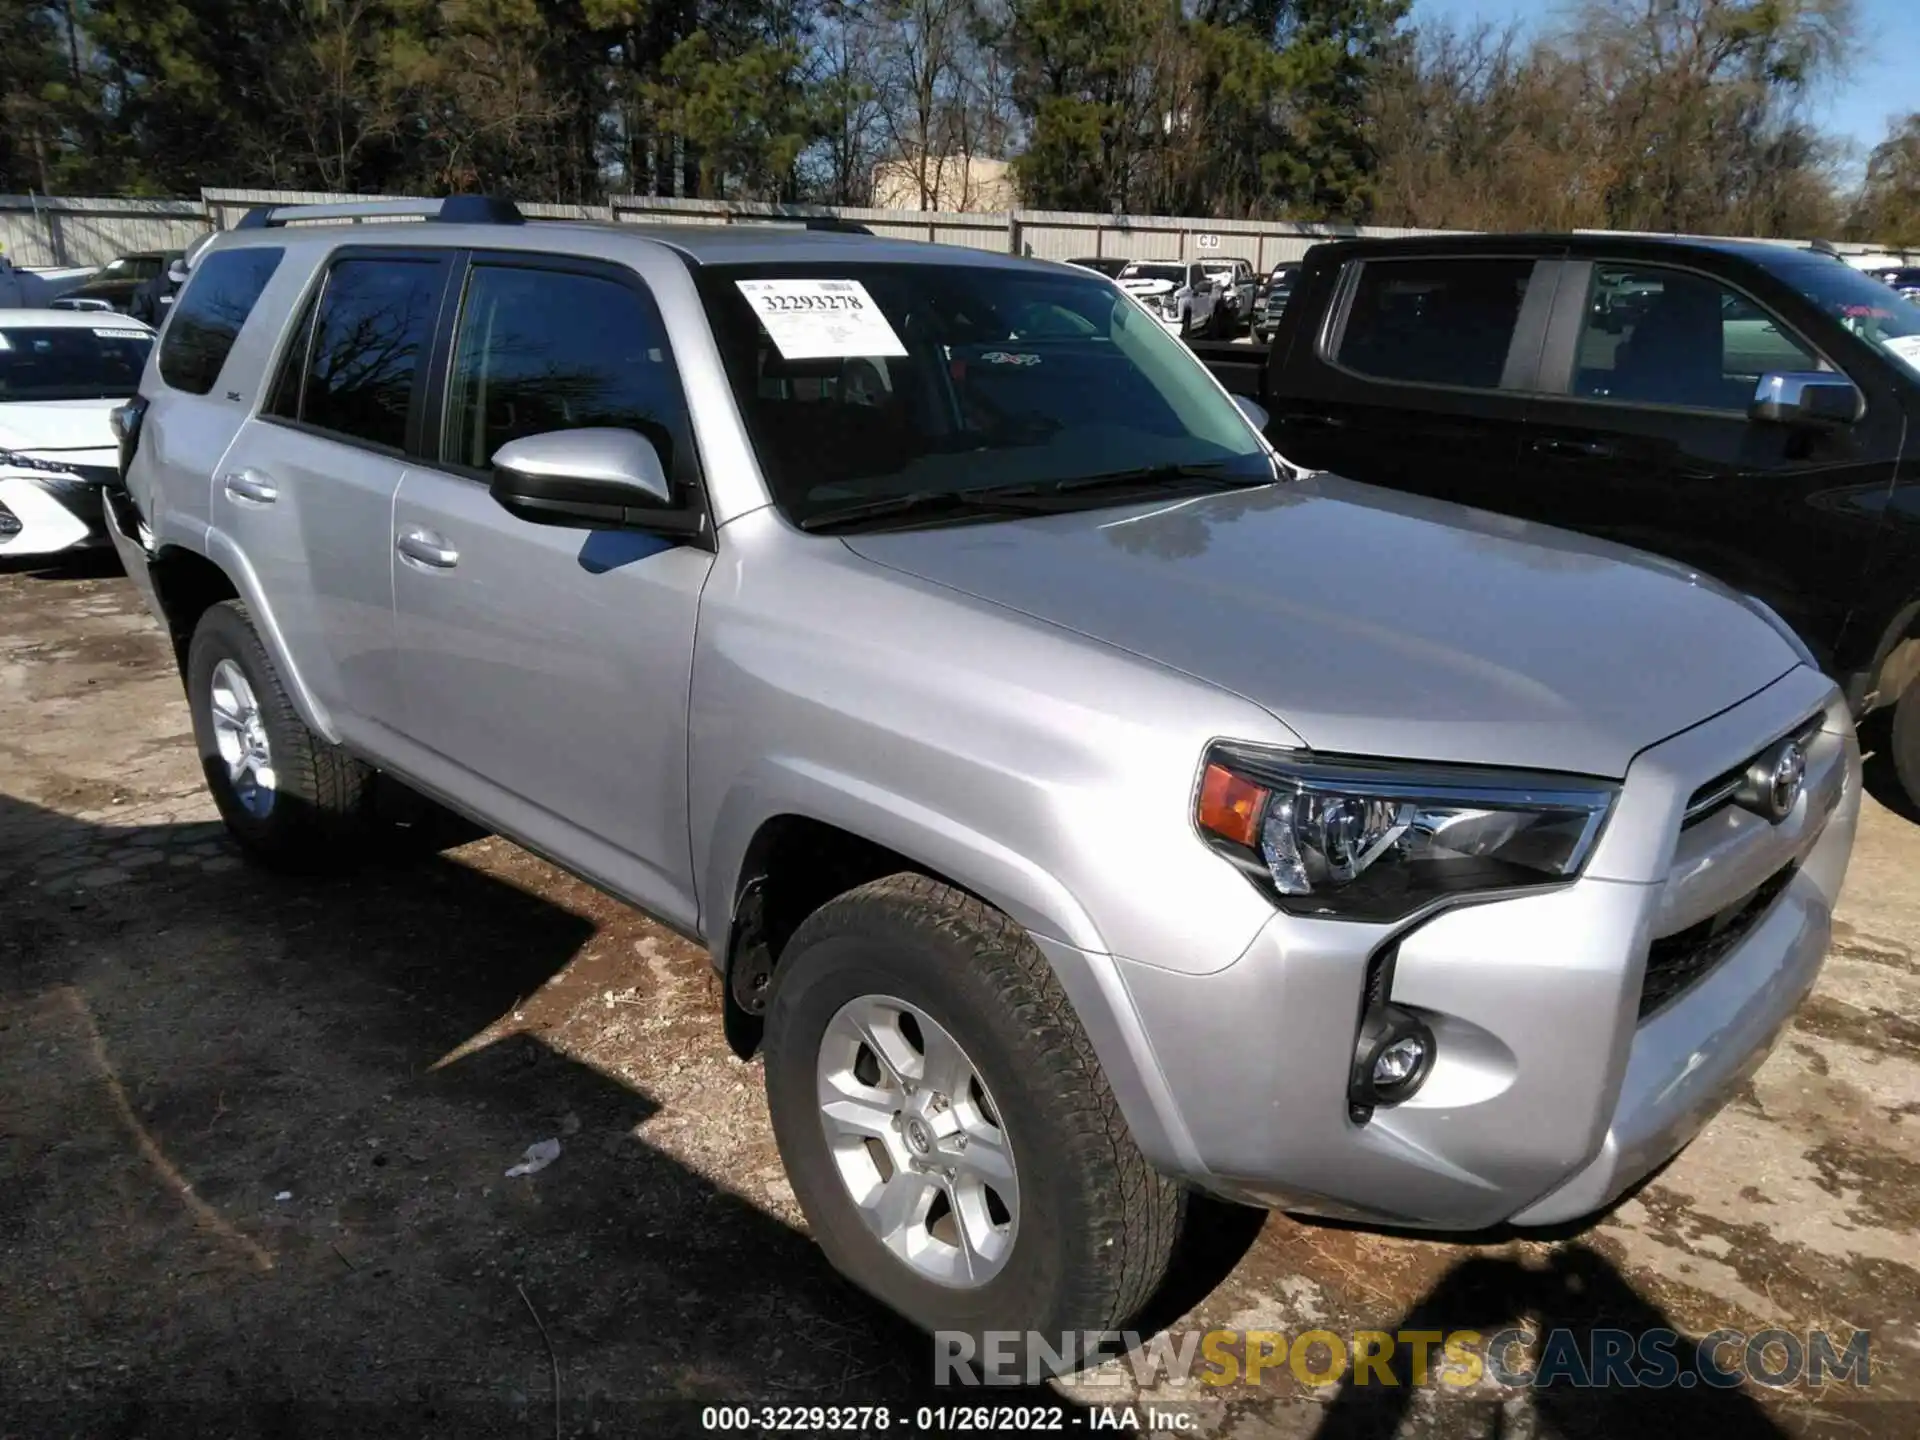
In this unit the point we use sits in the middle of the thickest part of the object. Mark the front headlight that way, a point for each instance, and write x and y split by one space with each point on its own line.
1371 840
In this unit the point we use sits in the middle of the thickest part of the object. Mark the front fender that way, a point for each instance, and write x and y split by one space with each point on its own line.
1002 877
771 786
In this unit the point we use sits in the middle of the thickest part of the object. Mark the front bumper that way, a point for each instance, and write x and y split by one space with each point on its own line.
131 539
1551 1093
46 514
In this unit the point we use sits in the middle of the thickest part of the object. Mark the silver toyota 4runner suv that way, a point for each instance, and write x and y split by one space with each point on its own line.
1081 804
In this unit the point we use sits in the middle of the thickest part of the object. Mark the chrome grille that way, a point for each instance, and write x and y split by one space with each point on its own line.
1719 790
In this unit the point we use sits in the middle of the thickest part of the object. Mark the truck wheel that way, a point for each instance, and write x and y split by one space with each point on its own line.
1906 741
946 1126
292 800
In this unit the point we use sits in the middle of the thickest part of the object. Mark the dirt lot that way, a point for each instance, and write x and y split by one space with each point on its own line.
253 1134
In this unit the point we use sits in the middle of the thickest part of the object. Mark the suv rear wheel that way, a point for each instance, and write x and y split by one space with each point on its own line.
290 799
946 1126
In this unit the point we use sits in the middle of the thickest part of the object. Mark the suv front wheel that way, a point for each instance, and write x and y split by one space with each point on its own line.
291 799
946 1126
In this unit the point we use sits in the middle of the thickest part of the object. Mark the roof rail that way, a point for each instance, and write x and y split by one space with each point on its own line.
453 210
832 223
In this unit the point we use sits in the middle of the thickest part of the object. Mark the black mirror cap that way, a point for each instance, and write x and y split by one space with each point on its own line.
590 480
1818 399
588 503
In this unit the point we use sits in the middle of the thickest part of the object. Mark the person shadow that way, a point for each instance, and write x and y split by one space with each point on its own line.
1578 1296
253 1131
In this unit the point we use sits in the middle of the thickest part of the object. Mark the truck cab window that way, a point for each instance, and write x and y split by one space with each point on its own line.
1446 321
1657 336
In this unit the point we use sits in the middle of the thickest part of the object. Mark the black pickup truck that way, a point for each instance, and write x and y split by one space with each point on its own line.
1751 410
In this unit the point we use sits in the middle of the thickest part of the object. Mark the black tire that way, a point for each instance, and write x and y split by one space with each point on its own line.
1906 741
322 797
1097 1224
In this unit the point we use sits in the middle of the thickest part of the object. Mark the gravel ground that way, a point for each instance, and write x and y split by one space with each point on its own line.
253 1136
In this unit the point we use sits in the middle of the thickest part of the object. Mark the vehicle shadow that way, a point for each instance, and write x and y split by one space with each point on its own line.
253 1132
1578 1298
98 562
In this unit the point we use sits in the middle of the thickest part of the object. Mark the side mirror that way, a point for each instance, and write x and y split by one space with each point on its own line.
1815 398
1255 412
177 272
592 479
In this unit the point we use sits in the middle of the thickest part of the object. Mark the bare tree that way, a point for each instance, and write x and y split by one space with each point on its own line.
1685 115
843 71
1888 208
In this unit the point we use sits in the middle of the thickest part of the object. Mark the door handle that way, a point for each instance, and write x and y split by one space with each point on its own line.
423 547
250 485
1574 449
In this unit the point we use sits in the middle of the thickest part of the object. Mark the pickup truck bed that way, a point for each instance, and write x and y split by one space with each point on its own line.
1239 366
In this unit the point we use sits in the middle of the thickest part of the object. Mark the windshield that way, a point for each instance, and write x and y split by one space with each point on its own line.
1863 304
71 362
861 382
1175 273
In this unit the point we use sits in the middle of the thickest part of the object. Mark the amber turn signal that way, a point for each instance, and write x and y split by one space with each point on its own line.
1230 807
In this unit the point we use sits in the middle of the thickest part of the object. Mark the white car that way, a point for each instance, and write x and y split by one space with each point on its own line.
62 374
30 288
1182 297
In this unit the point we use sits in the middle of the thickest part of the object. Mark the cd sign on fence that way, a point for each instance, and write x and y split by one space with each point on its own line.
1207 242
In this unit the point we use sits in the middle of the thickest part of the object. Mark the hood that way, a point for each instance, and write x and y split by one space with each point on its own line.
48 427
1147 285
109 289
1374 623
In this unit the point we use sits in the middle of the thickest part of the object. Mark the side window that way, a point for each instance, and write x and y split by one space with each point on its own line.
371 332
1434 321
541 350
1656 336
284 399
207 317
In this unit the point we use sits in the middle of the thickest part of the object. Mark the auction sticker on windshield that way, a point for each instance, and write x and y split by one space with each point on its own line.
821 319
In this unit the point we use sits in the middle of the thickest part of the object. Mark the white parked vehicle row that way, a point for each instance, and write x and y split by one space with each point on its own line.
1183 297
62 372
24 287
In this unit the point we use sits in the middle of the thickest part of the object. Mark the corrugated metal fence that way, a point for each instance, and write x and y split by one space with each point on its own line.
38 230
42 230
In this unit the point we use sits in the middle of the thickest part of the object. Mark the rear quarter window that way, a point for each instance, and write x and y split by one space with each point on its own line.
207 317
1444 321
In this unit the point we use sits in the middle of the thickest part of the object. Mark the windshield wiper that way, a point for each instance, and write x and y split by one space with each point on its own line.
980 501
1213 473
1019 499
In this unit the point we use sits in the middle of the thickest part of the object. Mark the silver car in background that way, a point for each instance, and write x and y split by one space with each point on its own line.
1082 806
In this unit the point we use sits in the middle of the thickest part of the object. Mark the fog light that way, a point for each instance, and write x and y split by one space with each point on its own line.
1392 1057
1395 1065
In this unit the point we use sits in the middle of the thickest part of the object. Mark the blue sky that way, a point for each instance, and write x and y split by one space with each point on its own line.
1881 83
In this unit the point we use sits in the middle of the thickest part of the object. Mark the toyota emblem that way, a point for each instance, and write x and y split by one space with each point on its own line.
1774 781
